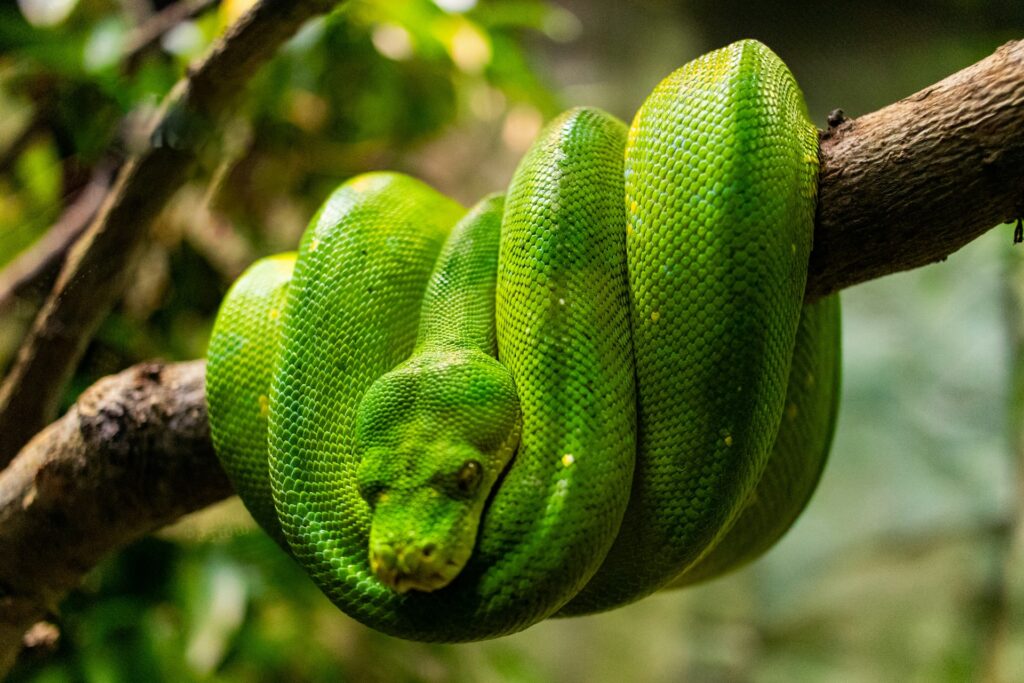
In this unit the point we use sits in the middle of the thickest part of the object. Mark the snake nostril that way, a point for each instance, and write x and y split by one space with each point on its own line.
383 556
428 550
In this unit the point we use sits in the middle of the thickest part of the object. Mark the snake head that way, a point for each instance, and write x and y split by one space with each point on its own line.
434 435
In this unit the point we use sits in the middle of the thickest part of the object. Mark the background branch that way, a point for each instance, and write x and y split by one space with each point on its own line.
37 265
97 270
31 274
150 31
902 187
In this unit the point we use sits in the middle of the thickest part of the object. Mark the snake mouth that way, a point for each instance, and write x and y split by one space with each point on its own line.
412 567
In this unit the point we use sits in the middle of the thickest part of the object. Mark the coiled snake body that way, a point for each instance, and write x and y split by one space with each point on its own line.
600 385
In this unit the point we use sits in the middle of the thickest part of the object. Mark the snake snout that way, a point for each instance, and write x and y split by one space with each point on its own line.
410 566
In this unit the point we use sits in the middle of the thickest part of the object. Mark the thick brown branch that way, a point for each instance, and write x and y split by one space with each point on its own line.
97 270
132 455
911 183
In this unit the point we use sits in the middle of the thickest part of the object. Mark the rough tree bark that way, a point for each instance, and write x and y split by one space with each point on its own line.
911 183
132 455
902 187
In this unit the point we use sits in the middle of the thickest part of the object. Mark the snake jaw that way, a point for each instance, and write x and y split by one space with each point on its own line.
412 567
420 540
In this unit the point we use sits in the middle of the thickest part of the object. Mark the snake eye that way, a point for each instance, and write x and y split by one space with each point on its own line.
371 491
469 477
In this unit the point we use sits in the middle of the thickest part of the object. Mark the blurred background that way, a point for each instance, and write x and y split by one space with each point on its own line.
909 562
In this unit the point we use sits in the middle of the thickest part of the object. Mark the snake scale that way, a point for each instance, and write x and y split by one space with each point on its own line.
601 384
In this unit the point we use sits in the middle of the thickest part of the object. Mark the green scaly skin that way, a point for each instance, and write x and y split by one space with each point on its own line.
472 428
798 455
243 345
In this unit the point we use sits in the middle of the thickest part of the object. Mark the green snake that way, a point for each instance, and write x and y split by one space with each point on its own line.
601 384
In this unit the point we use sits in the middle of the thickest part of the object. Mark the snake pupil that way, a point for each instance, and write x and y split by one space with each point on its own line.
469 477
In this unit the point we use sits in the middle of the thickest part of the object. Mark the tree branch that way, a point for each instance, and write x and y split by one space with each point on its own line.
132 455
902 187
911 183
97 269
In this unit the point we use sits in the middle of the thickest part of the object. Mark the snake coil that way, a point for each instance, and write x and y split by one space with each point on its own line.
600 385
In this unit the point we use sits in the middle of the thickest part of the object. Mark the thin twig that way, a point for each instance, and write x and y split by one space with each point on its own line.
149 32
41 261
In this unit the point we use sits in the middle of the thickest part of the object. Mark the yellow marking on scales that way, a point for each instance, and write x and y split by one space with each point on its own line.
728 439
313 244
568 459
631 135
274 314
264 402
362 183
284 263
655 316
